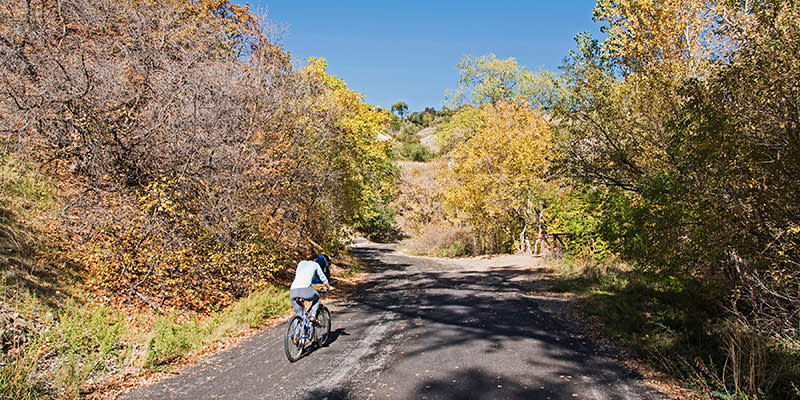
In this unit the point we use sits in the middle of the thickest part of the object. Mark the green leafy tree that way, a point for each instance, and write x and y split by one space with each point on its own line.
365 173
690 130
624 98
487 79
400 108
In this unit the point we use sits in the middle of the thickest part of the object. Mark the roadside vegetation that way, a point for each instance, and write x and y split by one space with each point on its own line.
662 164
408 130
687 334
62 339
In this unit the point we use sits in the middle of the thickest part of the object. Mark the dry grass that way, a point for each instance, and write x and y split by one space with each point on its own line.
441 240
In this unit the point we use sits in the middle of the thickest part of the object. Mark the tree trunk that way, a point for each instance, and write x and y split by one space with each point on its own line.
539 244
523 238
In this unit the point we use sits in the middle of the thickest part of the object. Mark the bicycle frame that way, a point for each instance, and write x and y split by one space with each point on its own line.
302 333
306 327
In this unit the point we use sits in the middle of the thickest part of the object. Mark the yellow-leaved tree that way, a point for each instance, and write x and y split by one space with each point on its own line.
497 180
363 183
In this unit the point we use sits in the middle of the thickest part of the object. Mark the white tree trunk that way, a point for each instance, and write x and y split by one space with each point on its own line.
538 246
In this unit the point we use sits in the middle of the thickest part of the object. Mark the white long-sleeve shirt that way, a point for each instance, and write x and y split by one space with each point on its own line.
305 274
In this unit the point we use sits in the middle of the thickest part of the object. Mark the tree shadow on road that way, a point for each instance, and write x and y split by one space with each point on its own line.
484 309
479 384
336 394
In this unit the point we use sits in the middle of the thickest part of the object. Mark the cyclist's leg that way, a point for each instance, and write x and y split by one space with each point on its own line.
293 294
308 294
314 304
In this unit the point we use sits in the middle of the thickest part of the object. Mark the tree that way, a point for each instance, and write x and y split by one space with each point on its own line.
497 181
209 161
690 127
364 170
625 97
459 128
487 79
742 132
400 108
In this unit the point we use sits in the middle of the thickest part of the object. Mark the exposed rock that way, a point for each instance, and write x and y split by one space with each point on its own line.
428 138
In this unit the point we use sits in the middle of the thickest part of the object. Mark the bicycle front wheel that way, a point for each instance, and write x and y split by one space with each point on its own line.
323 329
293 340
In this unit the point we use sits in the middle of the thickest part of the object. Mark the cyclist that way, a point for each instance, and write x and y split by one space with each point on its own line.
301 287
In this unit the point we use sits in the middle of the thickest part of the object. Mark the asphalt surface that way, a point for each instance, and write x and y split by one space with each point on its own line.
422 328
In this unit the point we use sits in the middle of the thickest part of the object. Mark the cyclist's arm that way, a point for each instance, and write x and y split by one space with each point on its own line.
324 278
321 275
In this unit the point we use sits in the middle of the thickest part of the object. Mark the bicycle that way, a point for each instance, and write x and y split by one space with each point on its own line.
301 333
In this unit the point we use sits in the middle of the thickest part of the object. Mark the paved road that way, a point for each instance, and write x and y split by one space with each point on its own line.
421 329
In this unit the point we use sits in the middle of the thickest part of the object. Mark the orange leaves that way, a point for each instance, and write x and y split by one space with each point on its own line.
208 157
236 21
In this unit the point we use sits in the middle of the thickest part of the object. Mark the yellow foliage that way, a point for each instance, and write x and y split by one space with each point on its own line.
366 175
677 38
498 180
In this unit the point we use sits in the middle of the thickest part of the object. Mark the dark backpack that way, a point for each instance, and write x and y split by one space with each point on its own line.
325 263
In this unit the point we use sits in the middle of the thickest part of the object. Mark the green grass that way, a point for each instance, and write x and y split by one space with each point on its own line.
683 330
172 340
88 339
25 196
29 188
92 340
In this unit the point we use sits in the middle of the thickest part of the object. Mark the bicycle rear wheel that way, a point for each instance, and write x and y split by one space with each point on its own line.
293 341
323 329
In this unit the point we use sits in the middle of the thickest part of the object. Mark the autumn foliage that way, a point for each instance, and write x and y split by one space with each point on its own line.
682 130
497 181
689 129
672 144
200 159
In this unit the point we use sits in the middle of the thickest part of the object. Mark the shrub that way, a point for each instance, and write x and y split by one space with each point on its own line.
456 249
442 240
683 330
395 123
412 129
199 160
416 152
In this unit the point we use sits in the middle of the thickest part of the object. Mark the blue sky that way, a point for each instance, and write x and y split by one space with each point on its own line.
408 50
